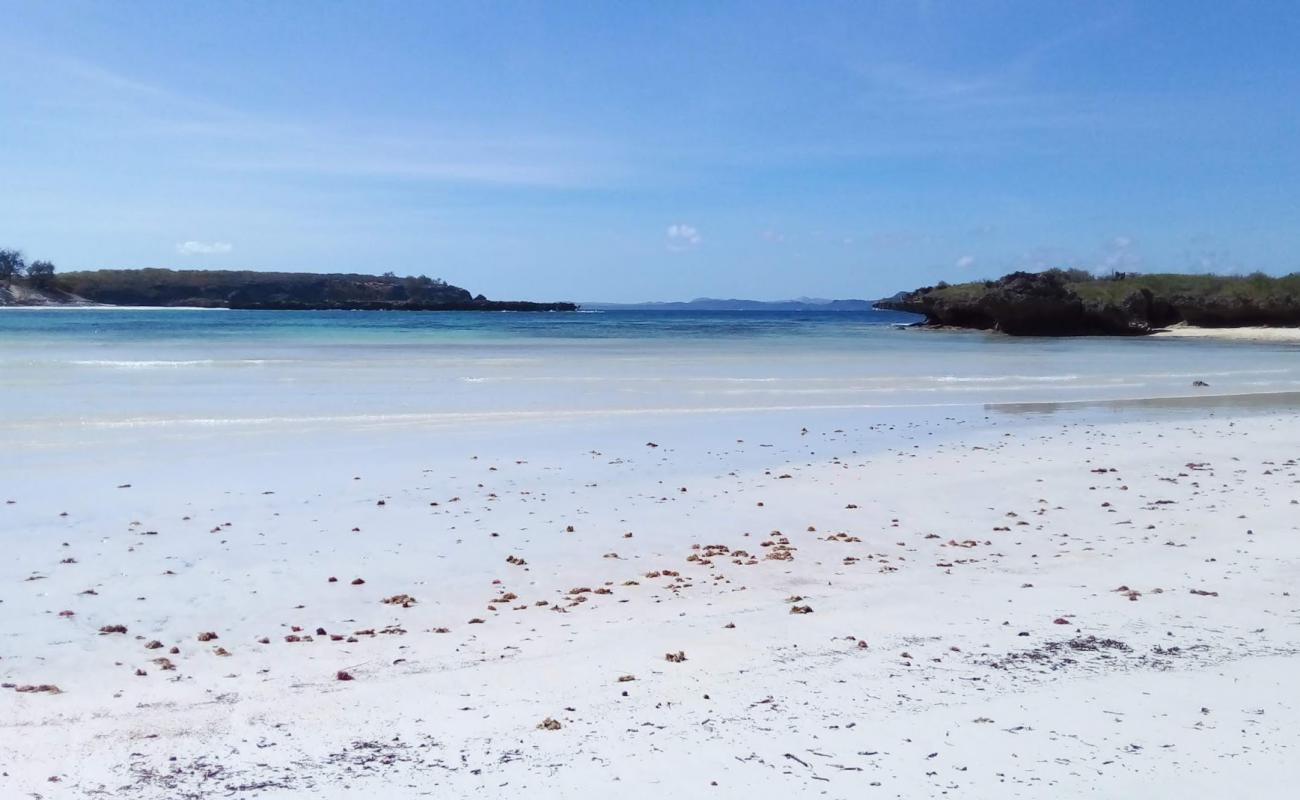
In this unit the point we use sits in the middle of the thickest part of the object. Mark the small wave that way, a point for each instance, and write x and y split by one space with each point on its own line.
921 389
1221 374
162 364
1000 378
460 418
624 379
142 364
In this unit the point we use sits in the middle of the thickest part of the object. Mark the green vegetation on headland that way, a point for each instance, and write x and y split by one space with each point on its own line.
34 284
1077 303
282 291
242 290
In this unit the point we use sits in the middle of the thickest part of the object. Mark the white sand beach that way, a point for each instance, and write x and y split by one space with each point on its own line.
1246 334
1007 605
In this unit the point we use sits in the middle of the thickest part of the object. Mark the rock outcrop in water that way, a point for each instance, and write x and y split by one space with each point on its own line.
262 290
1073 303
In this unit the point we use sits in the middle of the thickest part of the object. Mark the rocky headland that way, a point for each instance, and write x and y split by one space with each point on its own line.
1075 303
298 291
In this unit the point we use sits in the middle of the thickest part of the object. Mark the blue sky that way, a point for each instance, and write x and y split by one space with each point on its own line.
621 151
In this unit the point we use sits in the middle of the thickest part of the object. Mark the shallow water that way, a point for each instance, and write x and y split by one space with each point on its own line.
64 370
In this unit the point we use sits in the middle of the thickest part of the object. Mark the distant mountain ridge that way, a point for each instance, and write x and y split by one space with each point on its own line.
716 304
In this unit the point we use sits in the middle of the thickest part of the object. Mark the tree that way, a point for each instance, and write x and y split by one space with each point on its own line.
40 273
11 264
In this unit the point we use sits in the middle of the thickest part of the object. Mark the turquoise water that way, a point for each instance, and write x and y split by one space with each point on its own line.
164 327
65 369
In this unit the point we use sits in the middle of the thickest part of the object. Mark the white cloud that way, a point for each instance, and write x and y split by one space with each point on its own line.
772 236
203 248
965 262
682 236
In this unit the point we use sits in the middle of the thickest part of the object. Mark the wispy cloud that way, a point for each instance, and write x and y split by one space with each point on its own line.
1120 254
1044 257
1005 94
1204 259
192 248
682 236
211 135
965 262
897 239
450 162
904 81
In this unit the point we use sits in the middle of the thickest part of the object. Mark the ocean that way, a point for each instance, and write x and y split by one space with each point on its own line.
64 371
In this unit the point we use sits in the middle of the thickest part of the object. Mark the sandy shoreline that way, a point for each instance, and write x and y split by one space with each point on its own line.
1257 334
1181 331
967 632
103 307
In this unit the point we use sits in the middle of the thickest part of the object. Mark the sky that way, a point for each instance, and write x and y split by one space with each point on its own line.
653 151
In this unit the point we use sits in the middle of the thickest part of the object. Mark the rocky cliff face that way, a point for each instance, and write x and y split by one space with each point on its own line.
1235 312
1050 304
1029 304
21 294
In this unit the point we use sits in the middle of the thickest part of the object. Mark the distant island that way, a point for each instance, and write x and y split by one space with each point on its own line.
1077 303
39 285
714 304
